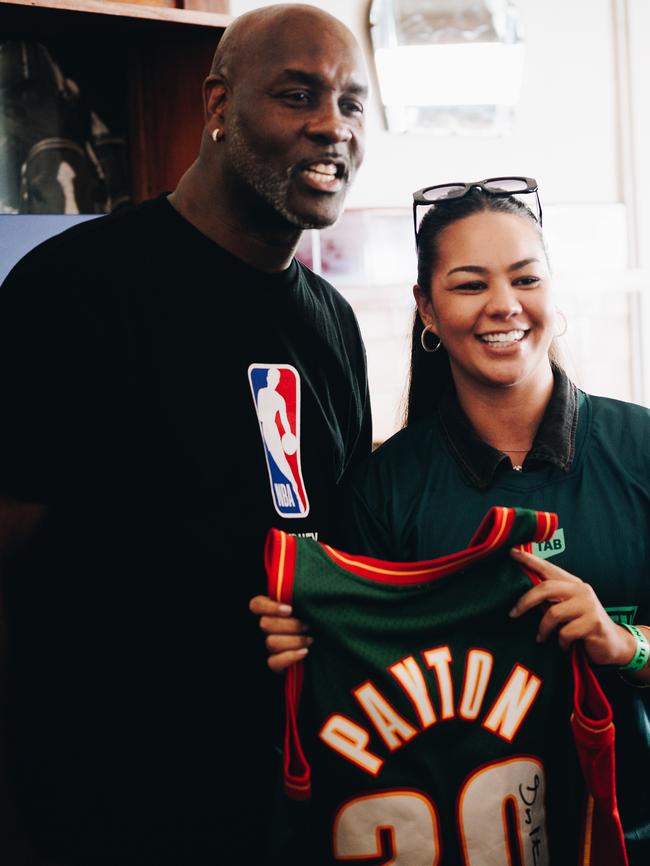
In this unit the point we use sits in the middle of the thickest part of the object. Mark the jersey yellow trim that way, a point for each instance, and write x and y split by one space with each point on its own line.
589 818
281 563
591 728
504 520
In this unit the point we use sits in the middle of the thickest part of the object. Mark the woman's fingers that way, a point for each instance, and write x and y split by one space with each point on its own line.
570 618
275 617
550 592
279 643
542 567
287 640
557 584
282 625
280 662
574 612
285 650
262 604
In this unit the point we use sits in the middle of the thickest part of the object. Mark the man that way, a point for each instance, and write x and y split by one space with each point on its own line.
137 487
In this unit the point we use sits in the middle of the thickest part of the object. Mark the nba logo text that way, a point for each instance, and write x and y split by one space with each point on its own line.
276 395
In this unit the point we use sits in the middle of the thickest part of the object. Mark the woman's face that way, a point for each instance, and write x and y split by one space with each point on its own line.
490 300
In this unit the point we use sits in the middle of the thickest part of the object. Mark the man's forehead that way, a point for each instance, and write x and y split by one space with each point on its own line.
346 76
291 45
299 38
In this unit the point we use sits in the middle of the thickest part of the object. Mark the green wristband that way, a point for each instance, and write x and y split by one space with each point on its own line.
642 653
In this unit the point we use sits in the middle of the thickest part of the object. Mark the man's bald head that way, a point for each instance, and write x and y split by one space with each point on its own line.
284 107
262 28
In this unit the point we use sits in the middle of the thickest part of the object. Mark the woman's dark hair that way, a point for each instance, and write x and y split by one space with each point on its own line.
430 373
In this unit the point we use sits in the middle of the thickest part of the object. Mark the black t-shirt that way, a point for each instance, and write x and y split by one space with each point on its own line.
132 351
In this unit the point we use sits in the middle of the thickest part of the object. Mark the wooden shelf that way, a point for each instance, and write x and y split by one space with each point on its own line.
141 67
128 10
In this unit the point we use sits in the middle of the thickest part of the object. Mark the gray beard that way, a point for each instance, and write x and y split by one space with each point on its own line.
271 186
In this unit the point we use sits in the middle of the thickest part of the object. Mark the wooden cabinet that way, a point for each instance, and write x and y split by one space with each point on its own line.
139 66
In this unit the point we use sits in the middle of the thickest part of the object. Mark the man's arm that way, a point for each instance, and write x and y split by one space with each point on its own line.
19 522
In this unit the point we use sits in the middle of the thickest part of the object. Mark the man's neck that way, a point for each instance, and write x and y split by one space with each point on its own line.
268 249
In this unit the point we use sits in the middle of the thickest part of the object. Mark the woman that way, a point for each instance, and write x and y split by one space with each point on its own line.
492 420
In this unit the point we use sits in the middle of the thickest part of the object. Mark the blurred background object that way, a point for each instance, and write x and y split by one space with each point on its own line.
58 154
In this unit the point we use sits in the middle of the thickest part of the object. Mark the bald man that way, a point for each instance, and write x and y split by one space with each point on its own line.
283 140
139 352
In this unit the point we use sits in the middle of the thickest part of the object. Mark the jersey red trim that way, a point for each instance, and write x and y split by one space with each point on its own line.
547 524
296 768
492 534
280 563
602 842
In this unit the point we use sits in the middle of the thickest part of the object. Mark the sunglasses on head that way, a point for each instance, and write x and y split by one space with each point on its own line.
500 186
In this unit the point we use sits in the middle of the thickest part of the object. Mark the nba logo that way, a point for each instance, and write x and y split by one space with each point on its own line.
276 395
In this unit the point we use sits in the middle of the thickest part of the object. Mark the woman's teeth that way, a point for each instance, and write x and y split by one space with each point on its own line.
503 337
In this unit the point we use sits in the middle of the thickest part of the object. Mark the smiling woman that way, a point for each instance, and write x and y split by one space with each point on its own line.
484 290
493 421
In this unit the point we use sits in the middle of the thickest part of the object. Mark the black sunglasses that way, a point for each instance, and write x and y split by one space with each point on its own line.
515 186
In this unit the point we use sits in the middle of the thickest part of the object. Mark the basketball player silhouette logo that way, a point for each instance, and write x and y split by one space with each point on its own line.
276 395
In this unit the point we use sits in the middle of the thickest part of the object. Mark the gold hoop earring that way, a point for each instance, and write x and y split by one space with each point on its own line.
564 322
423 334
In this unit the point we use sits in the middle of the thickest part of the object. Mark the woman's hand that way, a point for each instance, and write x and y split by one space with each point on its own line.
575 612
286 638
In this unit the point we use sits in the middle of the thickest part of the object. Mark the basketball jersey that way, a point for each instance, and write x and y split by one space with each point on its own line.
429 728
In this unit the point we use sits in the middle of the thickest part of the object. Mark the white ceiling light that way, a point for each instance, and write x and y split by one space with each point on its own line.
447 65
480 73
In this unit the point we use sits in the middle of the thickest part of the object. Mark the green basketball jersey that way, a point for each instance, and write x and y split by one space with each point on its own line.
428 727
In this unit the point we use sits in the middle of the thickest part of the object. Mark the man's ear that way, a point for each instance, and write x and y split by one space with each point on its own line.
216 94
425 308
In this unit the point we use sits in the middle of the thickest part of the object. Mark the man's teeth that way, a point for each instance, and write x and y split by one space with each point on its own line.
322 171
503 337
